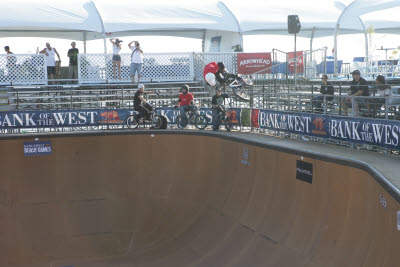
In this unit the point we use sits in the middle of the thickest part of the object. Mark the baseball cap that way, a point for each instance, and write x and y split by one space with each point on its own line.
324 76
140 86
355 72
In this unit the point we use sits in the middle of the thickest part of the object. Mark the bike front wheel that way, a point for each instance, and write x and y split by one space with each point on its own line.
201 122
132 122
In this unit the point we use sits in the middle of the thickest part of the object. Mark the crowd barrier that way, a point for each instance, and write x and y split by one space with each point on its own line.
380 133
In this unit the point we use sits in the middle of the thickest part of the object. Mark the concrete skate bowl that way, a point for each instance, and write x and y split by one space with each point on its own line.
176 199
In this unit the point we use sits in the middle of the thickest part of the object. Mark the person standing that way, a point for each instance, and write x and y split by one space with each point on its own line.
136 60
73 62
116 57
11 63
50 53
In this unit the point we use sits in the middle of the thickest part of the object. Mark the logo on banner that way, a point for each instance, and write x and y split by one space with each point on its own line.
254 118
245 156
304 171
232 116
319 126
299 62
37 148
249 63
110 117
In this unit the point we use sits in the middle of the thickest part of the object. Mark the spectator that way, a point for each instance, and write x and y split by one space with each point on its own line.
383 91
50 53
326 90
11 63
358 87
73 62
116 57
136 60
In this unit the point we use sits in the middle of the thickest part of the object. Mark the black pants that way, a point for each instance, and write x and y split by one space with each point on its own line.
144 110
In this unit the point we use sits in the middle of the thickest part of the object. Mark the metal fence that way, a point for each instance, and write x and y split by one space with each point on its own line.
23 69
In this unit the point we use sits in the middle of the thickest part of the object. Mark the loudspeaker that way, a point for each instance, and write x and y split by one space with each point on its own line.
294 24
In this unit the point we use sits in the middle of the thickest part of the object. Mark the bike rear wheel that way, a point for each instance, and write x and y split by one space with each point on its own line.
201 122
132 122
156 123
179 121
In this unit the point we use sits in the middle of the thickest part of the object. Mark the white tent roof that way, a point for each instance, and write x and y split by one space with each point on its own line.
61 19
185 19
82 20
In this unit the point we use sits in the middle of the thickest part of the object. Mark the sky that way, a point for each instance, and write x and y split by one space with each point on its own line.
349 46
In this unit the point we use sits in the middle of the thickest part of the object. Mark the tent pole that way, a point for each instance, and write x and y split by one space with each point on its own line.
335 49
366 47
84 42
311 43
105 43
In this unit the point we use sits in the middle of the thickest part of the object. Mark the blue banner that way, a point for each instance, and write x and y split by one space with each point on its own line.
91 117
37 148
63 118
384 133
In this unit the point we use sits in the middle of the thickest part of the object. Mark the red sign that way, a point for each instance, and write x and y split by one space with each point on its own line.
249 63
299 60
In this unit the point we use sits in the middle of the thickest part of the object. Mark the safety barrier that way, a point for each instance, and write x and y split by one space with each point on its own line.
98 68
23 69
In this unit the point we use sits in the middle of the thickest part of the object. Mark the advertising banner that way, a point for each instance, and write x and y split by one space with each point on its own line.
92 117
299 61
383 133
37 148
62 118
249 63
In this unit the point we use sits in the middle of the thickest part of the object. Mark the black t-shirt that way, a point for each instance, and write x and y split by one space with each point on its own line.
327 89
136 99
219 100
73 56
361 84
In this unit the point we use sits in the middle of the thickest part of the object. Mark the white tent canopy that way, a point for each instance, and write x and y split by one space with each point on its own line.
97 19
67 20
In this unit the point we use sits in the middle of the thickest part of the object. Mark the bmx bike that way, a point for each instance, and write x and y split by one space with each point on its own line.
155 121
223 119
193 117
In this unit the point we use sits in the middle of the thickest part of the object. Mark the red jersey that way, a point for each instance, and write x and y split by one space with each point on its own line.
185 100
210 67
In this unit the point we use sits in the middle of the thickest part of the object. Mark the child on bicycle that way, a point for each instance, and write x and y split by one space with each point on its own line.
217 103
140 104
185 103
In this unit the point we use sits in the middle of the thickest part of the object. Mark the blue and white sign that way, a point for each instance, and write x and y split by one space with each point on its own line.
37 148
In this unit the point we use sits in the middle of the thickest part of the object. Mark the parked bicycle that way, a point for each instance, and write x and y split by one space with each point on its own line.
224 119
193 117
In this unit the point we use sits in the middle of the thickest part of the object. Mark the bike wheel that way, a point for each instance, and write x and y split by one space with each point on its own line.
201 122
156 122
227 123
132 122
242 92
179 120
